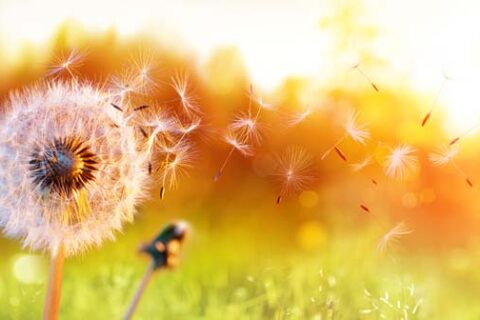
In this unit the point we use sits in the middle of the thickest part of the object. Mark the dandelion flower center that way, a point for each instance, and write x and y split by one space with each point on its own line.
64 166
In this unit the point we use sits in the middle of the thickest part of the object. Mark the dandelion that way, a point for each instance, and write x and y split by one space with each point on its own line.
365 76
393 236
293 169
400 160
435 101
353 129
446 155
68 179
68 63
164 251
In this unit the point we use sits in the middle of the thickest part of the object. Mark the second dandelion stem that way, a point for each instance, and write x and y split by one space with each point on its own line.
143 284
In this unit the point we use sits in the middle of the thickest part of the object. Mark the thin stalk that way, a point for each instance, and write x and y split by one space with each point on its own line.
434 104
52 299
335 145
227 158
143 284
374 86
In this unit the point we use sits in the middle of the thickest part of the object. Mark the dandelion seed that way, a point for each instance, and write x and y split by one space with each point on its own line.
435 101
236 142
142 70
180 83
469 182
454 141
68 63
247 126
355 130
365 208
393 236
123 86
445 155
141 108
340 154
185 129
400 160
116 107
176 164
466 133
299 117
293 169
362 164
366 77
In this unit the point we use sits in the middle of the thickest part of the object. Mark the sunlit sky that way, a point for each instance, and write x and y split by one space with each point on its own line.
420 40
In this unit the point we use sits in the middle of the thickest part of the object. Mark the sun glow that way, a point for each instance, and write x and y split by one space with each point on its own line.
293 38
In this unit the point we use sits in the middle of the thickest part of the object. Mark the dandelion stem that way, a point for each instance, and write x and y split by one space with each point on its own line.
227 158
143 284
52 299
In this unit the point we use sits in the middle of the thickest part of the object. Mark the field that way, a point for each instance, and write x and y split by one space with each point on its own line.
224 275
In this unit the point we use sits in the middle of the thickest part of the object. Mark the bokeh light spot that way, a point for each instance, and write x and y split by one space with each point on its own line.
409 200
311 235
29 268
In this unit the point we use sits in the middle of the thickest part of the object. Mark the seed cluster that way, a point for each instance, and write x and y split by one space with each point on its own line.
64 166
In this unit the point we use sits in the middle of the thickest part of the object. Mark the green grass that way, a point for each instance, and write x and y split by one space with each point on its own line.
227 277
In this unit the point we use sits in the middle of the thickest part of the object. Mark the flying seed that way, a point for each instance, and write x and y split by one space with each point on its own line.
116 107
364 208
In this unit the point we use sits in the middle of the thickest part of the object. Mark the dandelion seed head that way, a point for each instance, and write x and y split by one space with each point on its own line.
400 160
68 175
